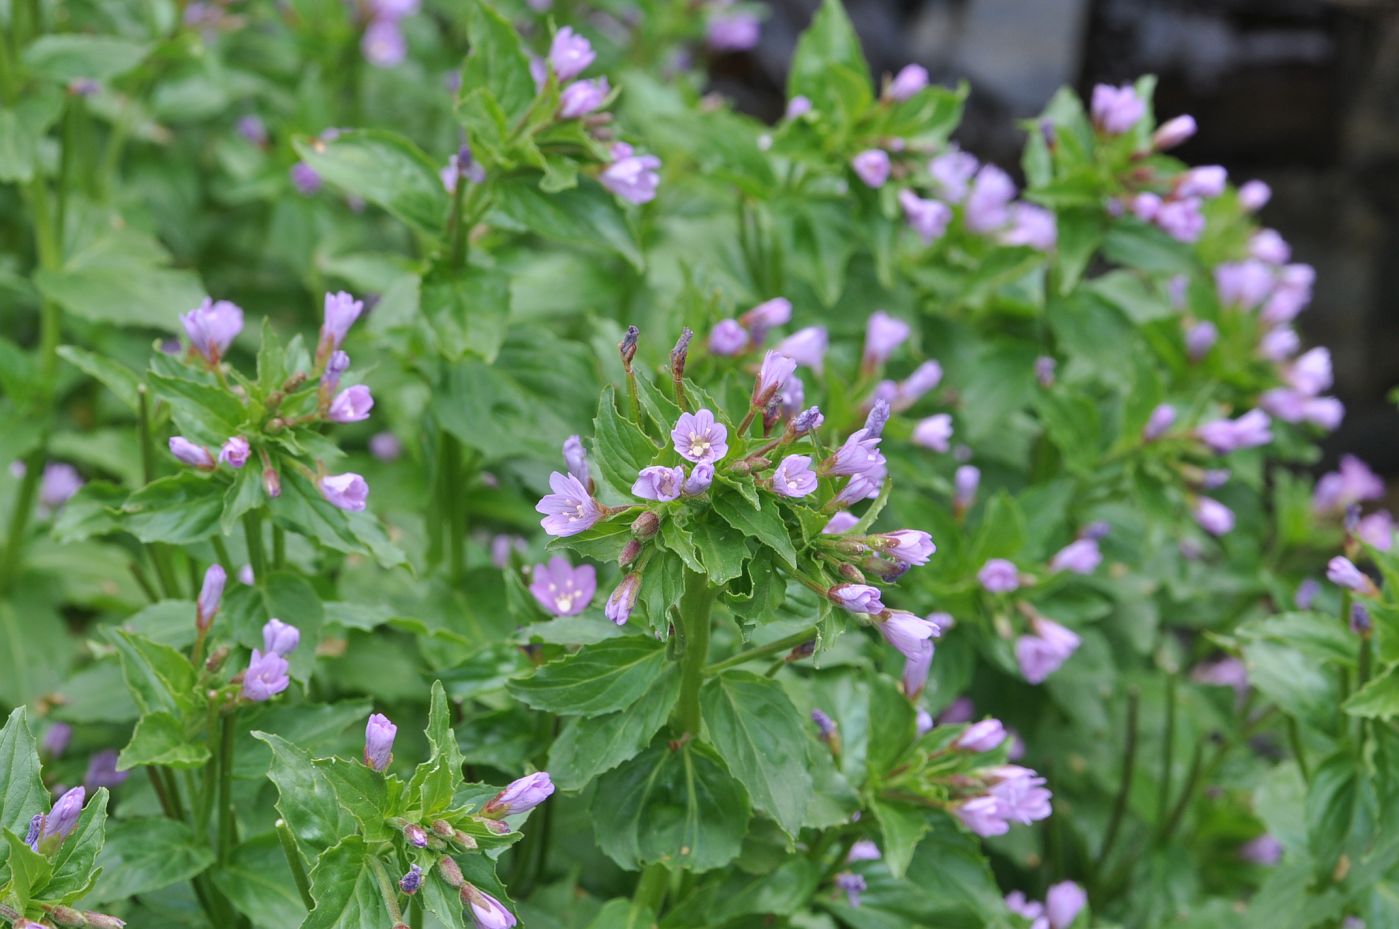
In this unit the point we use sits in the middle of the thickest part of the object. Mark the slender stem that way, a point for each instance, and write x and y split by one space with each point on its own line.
1129 764
634 397
1294 738
1167 750
226 823
298 870
415 913
252 532
386 888
143 582
172 789
651 887
747 420
456 532
279 546
1168 826
163 573
762 651
221 551
695 605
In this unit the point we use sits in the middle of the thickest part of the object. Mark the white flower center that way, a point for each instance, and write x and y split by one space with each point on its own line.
699 444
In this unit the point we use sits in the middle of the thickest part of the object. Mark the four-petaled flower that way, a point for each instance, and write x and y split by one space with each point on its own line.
570 509
699 437
563 589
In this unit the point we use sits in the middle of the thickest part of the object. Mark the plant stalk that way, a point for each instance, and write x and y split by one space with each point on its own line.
694 627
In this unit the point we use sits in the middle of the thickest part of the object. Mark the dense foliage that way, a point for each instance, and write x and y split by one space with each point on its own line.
916 549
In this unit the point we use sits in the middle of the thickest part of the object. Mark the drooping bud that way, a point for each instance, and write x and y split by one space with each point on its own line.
619 605
680 353
412 881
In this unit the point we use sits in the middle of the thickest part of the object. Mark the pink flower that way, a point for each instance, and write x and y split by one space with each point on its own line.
570 54
631 177
699 436
910 80
570 509
872 166
563 589
981 737
807 347
351 405
235 452
928 218
659 483
793 477
1041 653
1080 556
999 576
582 97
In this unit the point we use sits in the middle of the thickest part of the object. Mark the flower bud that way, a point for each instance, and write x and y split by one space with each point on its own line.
209 596
66 916
627 347
772 374
701 476
646 525
234 452
103 921
416 836
521 795
619 605
216 659
629 553
1360 622
486 911
450 871
379 734
1173 132
412 881
196 456
271 483
680 353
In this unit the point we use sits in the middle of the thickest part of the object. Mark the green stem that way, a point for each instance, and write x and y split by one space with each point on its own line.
225 559
386 888
762 651
252 532
143 428
298 870
453 499
651 887
279 546
1129 764
415 913
1167 750
226 823
694 627
1168 826
143 582
1294 738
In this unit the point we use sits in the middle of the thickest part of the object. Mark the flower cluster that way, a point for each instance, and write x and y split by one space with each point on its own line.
382 43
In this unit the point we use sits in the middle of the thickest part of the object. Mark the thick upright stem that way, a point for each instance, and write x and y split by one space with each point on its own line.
651 887
252 532
226 825
695 606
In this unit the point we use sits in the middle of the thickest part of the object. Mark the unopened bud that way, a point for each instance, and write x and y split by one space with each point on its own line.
216 659
103 921
415 834
496 826
878 416
1049 134
450 871
808 420
1360 622
851 573
1173 132
443 828
628 347
680 353
66 916
646 525
272 483
467 842
630 552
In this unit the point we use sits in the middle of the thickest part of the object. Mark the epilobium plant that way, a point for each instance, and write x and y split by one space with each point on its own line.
955 566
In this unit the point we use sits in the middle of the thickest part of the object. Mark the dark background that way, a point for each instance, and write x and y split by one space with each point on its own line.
1303 94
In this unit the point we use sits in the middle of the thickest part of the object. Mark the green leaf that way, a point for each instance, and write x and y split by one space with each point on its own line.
762 739
256 881
92 511
1378 699
302 508
35 647
129 296
385 169
75 858
180 509
469 310
623 914
828 54
765 524
142 855
29 871
307 798
903 827
22 792
66 57
115 376
244 495
203 412
1333 802
158 676
620 448
596 679
160 739
436 780
588 747
678 806
497 61
346 893
586 216
22 129
722 548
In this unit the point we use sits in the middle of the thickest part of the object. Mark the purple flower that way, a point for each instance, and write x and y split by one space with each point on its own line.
102 771
196 456
982 816
859 455
853 885
1291 296
570 54
209 595
1032 226
1116 110
797 107
411 882
793 477
1342 572
212 326
732 32
1311 372
563 589
1243 284
1226 672
909 634
1145 206
772 375
1040 654
56 739
1063 902
570 509
1360 622
924 378
699 437
392 9
965 482
841 522
1377 530
385 446
807 347
1227 435
1199 339
883 334
379 734
916 668
935 432
808 420
623 598
279 638
1173 132
582 97
341 311
824 723
1045 369
59 823
1254 195
575 458
631 177
910 80
1213 516
486 911
1205 181
988 202
952 173
335 366
929 218
520 795
1080 556
461 164
1279 344
860 487
1268 245
659 483
383 44
246 576
1160 420
911 546
871 166
728 338
857 598
253 129
266 677
1020 905
351 405
863 850
235 452
58 483
768 315
1020 795
701 476
960 710
877 418
1181 219
305 179
981 737
999 576
347 491
416 835
1264 850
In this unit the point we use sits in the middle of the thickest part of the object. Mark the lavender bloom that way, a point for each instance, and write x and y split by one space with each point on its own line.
772 375
853 885
808 420
989 199
952 172
1269 246
1199 339
883 334
700 437
379 734
335 366
1306 593
1021 795
570 509
56 739
59 823
793 477
909 81
623 598
383 44
1116 110
1243 284
863 850
877 418
305 179
1040 654
1045 369
570 54
928 218
348 491
981 737
728 337
1160 420
797 107
857 598
212 326
1225 435
1342 572
1213 516
1326 412
935 432
1173 132
807 347
1032 226
266 677
1351 483
411 882
1181 219
102 771
965 482
999 576
659 483
1291 296
351 405
859 455
1311 372
1145 206
701 476
561 588
631 177
924 378
1254 195
1360 622
253 129
1279 344
341 311
1264 850
824 723
235 452
416 836
871 166
209 595
982 816
582 97
732 32
909 634
196 456
576 459
1377 530
246 576
520 795
58 483
923 722
1205 181
486 911
768 315
1020 905
1080 556
1062 904
461 164
841 522
279 638
860 487
960 710
911 546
